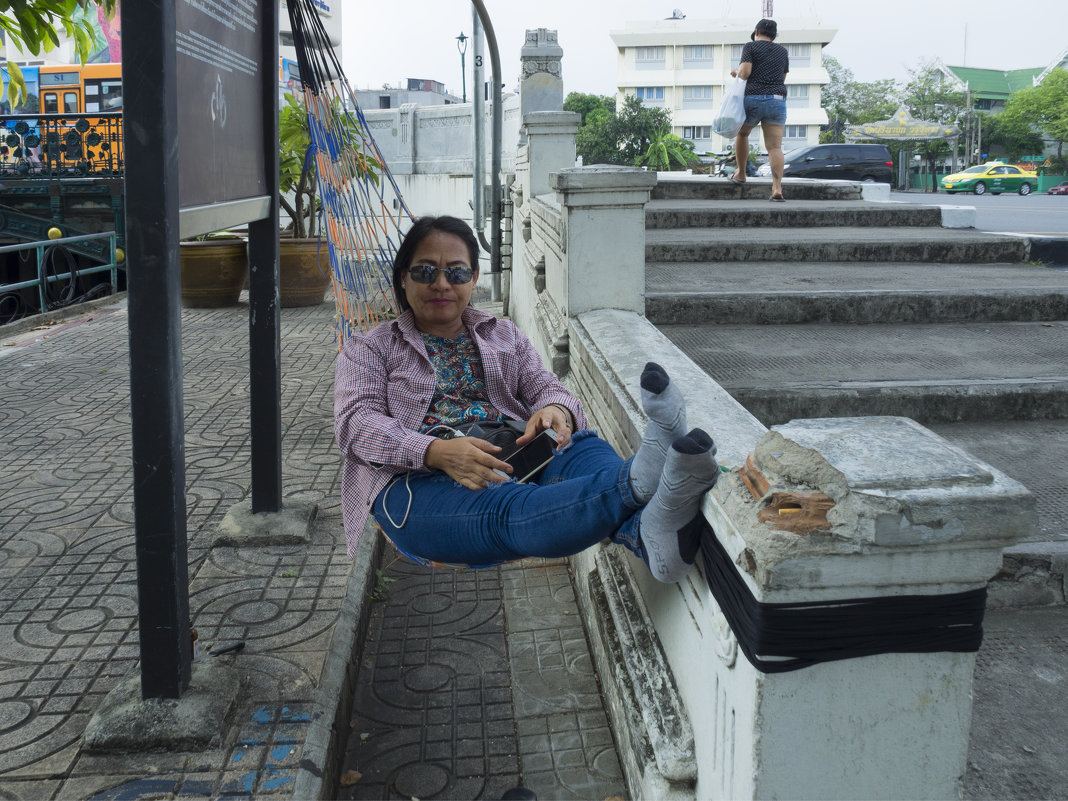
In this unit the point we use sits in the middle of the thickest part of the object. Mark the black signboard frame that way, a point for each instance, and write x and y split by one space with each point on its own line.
169 195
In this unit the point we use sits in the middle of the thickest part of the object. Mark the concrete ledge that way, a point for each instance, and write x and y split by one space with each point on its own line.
195 722
242 528
1032 574
875 191
319 766
958 216
1052 251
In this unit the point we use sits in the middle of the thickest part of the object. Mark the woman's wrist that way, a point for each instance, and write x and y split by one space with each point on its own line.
567 413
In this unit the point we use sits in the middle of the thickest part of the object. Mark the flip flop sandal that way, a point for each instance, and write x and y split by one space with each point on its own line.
739 183
778 199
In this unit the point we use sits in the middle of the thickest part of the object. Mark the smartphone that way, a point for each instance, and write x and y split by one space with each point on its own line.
528 460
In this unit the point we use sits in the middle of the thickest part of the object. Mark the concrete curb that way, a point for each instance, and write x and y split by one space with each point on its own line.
1051 251
26 323
318 767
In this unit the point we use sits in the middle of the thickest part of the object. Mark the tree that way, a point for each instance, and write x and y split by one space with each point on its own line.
33 26
608 137
585 104
665 150
1044 107
1011 133
635 127
928 96
847 100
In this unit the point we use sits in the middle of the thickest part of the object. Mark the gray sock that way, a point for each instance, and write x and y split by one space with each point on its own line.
664 404
669 528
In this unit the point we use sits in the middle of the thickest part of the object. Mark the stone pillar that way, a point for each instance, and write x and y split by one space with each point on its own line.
603 239
541 87
550 147
906 514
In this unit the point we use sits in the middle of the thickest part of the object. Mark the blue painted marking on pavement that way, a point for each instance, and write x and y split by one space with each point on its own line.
137 788
280 752
275 783
263 715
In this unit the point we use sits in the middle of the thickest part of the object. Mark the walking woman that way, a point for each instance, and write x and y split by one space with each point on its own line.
763 67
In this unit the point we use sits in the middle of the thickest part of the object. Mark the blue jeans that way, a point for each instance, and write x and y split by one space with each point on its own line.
765 108
582 496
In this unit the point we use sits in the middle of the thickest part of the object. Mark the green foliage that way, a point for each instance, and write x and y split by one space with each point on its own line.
380 592
1011 134
610 137
667 149
635 127
297 172
1044 107
586 104
847 100
33 26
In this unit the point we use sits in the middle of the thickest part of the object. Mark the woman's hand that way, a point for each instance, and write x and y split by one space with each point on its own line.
469 461
553 416
734 73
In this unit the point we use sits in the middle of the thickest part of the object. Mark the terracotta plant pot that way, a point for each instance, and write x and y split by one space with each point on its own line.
213 272
304 270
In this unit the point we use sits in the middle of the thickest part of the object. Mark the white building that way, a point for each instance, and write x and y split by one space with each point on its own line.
684 64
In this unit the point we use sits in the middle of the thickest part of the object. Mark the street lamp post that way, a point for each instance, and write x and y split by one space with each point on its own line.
461 45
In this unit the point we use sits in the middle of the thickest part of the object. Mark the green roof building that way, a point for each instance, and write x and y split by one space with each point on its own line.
990 89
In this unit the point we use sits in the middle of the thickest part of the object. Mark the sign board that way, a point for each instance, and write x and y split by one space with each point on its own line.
221 67
902 126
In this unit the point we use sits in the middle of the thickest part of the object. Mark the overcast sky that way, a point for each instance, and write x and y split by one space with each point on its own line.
388 42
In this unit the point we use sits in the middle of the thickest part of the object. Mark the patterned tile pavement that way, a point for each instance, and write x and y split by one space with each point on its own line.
469 682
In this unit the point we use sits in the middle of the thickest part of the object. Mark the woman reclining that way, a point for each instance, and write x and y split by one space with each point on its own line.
443 365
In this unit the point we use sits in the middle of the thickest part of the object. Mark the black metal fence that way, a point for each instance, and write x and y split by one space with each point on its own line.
61 146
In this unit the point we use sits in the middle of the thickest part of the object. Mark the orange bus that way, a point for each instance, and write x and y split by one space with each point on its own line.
77 89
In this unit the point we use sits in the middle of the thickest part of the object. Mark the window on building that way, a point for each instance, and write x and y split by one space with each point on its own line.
695 132
697 97
649 57
983 104
383 101
800 54
736 56
699 56
797 94
650 94
796 132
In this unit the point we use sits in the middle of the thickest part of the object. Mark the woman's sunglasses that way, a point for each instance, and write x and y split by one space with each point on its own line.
428 274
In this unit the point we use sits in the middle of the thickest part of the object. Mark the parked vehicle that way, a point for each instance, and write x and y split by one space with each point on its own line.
1059 189
871 163
993 177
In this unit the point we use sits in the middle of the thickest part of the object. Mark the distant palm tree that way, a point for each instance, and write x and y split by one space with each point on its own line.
666 149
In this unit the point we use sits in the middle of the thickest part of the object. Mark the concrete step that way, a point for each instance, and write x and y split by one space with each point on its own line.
1034 453
680 213
840 244
780 293
704 187
930 372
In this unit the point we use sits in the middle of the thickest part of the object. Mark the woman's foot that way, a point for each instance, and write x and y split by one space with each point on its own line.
666 409
670 525
778 199
734 180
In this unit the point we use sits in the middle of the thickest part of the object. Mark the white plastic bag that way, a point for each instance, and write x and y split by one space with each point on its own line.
731 116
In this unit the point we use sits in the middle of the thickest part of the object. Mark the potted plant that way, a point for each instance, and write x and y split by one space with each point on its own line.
304 257
214 268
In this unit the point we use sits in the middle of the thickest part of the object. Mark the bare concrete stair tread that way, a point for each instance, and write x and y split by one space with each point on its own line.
842 355
778 277
846 234
1034 452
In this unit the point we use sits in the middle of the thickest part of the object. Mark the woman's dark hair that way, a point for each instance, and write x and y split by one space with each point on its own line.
416 234
766 27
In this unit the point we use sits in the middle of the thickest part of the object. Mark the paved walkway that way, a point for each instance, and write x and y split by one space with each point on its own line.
471 682
466 683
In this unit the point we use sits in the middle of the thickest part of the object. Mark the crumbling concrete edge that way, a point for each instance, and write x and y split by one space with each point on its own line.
317 772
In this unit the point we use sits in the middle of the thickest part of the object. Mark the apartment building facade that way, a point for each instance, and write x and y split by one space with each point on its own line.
684 65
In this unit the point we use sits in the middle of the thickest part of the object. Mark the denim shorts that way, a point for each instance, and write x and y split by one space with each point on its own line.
765 108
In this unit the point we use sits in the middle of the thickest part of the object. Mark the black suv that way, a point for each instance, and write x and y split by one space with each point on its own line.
841 162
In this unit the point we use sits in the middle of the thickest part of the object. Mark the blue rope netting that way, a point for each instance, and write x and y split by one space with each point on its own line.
362 211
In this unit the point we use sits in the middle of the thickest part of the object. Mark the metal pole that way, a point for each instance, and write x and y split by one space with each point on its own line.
155 324
478 210
264 324
495 157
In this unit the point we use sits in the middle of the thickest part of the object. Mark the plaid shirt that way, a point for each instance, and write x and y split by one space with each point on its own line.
384 383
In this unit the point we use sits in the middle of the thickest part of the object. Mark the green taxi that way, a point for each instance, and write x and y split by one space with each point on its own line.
993 177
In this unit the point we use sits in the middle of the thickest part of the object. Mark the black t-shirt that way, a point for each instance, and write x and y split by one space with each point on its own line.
770 63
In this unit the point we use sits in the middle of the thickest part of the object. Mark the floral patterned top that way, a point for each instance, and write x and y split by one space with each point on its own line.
460 385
